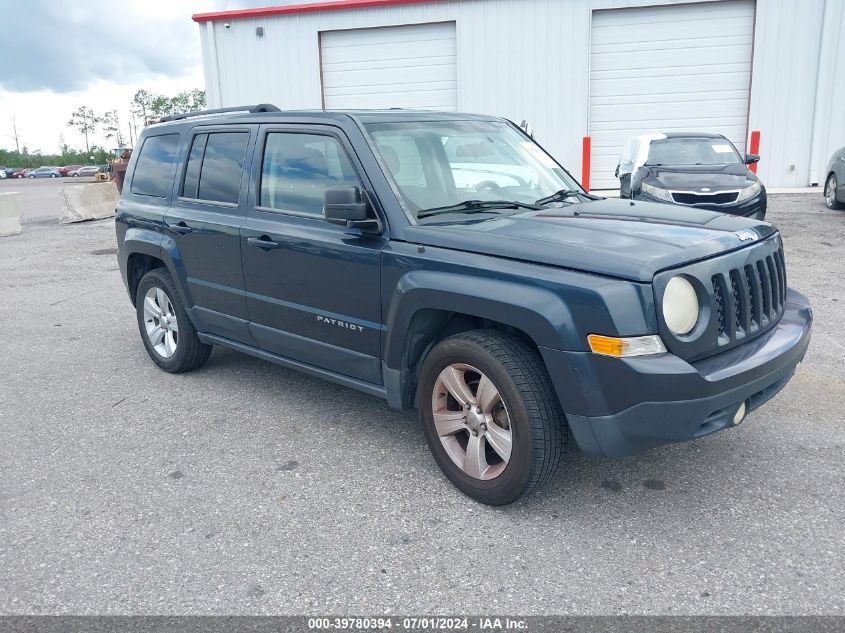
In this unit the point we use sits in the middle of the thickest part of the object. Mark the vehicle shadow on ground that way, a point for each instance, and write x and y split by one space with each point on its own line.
689 471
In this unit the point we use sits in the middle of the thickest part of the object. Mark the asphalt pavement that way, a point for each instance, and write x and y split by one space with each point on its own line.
248 488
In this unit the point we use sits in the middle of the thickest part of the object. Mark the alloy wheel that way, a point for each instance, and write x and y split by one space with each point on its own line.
830 191
160 322
472 421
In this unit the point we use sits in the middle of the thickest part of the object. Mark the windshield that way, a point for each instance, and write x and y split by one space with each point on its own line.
440 164
692 151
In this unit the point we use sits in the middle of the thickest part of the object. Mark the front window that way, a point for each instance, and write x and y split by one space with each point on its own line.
298 168
445 163
692 151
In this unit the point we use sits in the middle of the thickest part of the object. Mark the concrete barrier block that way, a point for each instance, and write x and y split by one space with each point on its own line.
10 213
93 201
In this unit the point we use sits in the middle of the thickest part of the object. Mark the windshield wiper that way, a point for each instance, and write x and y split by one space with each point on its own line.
476 206
563 194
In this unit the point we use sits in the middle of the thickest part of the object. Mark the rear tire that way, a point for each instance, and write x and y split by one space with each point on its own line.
518 440
167 332
830 200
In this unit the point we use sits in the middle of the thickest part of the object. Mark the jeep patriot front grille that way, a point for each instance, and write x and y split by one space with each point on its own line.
749 298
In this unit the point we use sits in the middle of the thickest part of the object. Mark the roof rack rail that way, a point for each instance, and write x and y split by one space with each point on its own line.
261 107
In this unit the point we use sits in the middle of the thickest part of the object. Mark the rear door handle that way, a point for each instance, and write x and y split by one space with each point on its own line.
181 228
263 242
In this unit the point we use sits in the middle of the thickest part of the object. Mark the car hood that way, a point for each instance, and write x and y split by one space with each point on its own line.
619 238
696 177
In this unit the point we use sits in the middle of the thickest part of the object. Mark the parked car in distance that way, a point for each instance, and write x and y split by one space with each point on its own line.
44 172
21 173
87 170
65 171
3 174
505 309
834 184
693 169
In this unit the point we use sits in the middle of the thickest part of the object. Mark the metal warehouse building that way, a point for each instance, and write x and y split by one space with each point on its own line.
604 68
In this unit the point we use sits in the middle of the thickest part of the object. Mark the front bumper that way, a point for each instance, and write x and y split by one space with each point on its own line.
752 208
618 407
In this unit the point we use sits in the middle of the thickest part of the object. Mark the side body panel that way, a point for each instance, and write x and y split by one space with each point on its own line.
202 245
313 295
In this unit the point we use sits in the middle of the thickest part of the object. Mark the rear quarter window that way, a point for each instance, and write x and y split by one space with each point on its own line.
154 168
215 166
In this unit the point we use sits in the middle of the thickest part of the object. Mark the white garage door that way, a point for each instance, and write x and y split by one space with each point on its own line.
392 67
668 69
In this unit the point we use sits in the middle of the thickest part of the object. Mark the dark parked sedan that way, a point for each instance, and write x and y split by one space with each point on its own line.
693 169
834 184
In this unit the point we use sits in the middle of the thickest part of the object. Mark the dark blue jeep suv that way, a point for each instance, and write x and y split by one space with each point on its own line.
447 262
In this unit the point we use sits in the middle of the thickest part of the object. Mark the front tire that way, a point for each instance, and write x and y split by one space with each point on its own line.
167 332
830 200
490 415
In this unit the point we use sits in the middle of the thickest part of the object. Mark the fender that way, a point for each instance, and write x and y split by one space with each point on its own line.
138 240
172 258
538 312
134 241
152 242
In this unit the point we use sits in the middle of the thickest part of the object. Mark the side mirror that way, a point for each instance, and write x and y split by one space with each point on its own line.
750 159
344 206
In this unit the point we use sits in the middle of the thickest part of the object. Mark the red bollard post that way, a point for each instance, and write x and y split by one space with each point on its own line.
754 148
585 163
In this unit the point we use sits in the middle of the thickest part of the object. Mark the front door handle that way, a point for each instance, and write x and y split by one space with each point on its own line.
263 242
181 228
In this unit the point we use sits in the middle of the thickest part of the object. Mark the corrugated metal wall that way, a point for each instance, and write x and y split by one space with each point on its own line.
529 59
829 116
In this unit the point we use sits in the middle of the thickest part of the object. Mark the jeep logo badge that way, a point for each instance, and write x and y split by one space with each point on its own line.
746 235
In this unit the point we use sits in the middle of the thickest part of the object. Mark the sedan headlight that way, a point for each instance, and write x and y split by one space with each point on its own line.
749 192
656 192
680 306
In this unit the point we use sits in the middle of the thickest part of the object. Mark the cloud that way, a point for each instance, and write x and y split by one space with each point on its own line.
66 47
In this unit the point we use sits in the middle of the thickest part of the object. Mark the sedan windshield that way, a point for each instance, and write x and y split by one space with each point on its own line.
692 151
464 168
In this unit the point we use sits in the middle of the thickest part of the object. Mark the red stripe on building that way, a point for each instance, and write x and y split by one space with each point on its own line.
312 7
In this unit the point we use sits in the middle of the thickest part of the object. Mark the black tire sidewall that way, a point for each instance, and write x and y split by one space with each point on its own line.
159 278
511 484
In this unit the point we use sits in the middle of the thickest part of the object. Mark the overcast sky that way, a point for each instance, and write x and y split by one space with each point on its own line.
59 55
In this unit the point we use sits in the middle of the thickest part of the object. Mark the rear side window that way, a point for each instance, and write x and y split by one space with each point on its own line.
154 168
298 168
215 166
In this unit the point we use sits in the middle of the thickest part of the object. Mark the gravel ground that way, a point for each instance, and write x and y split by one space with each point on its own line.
248 488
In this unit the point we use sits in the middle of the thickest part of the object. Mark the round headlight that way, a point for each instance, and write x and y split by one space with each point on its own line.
680 306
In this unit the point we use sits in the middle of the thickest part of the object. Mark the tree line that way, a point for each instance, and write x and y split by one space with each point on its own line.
108 125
